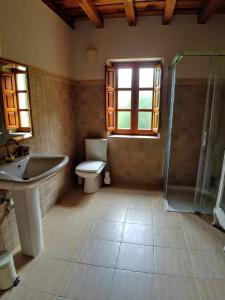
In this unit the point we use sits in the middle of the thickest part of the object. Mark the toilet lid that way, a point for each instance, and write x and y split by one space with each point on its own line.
90 166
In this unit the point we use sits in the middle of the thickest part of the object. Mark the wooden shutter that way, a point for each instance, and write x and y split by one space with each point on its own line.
9 100
156 99
110 98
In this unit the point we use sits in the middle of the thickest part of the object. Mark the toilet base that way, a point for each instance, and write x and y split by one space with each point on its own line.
92 185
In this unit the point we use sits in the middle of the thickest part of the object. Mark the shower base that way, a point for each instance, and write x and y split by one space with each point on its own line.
181 199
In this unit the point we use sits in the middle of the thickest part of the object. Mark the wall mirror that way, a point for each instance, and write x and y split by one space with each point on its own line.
15 106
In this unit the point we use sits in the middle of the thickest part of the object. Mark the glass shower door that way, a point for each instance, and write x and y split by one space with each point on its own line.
213 140
172 81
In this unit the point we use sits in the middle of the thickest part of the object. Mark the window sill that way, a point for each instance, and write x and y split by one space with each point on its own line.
144 137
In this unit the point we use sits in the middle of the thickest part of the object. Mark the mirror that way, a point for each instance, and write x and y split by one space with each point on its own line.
15 108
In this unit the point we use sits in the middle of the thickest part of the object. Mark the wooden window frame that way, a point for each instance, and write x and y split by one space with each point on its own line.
135 98
23 129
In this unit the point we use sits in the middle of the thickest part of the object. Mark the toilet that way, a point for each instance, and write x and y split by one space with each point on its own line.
91 169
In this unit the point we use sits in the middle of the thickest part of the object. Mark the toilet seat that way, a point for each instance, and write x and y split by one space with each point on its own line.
90 166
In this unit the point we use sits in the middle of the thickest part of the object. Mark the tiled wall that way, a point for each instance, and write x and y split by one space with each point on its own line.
53 111
189 109
130 160
90 111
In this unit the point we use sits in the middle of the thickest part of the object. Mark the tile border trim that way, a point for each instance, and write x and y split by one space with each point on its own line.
101 82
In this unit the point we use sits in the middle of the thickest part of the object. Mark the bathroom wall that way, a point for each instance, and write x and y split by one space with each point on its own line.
189 110
53 111
31 33
148 39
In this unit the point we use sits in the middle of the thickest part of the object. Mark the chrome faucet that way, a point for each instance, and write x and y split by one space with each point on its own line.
10 156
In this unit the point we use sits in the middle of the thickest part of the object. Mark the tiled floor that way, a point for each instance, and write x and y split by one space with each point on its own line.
120 244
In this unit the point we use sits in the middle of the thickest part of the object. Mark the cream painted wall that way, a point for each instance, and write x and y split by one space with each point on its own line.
148 39
32 34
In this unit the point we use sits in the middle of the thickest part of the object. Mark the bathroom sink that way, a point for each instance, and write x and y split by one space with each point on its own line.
30 170
22 177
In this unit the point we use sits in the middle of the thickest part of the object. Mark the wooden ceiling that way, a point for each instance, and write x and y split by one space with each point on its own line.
97 10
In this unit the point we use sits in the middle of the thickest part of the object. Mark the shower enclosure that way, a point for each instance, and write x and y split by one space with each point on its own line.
196 132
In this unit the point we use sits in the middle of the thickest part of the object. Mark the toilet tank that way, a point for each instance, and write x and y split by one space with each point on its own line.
96 149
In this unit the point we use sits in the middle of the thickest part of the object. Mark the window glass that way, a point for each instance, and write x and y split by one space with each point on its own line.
145 100
124 99
146 77
124 120
124 78
24 119
21 82
144 120
23 101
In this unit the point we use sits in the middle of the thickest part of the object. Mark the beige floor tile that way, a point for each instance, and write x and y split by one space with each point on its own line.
118 197
203 240
175 288
135 258
132 286
211 289
100 253
169 236
192 221
140 200
138 234
64 247
47 275
89 283
108 230
171 261
139 216
170 219
20 293
208 265
27 294
158 206
10 294
116 214
70 224
56 219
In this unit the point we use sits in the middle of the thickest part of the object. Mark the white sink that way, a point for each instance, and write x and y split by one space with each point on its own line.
22 177
30 170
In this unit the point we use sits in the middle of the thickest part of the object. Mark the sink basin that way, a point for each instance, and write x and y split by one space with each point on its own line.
22 177
30 170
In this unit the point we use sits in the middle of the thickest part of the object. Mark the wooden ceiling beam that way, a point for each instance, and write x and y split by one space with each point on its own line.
91 11
54 7
208 10
168 11
130 13
138 7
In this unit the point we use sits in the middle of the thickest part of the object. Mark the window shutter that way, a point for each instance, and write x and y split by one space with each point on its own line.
9 100
156 99
110 99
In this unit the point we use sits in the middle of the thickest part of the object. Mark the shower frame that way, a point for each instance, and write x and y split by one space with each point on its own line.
172 84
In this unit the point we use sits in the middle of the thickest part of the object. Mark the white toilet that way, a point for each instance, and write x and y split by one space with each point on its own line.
91 169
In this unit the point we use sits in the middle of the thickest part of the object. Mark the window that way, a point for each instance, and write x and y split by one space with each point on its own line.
133 98
23 101
16 99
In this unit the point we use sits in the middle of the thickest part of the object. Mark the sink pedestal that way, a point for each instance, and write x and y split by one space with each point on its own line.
29 221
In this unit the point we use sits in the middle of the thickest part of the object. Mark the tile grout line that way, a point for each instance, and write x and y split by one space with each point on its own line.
192 264
114 274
